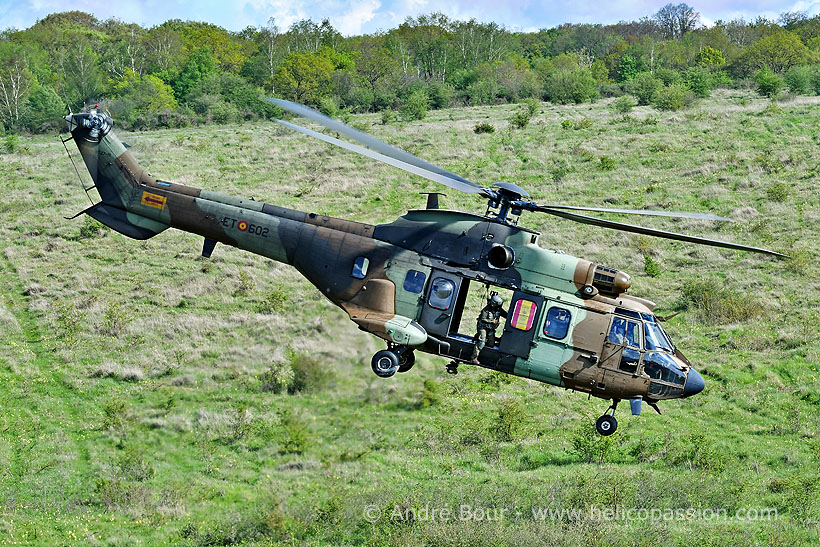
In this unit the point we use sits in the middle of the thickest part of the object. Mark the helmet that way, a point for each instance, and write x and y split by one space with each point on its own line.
496 301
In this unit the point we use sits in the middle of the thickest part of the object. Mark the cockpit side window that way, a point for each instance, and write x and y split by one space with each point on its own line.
625 332
655 338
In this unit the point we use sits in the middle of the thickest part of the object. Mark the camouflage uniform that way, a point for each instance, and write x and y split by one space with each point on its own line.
487 324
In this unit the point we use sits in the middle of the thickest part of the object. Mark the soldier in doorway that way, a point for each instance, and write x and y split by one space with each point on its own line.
487 323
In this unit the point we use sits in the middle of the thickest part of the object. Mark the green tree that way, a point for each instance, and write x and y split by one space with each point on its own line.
304 77
16 81
799 79
769 83
45 108
779 51
199 65
710 57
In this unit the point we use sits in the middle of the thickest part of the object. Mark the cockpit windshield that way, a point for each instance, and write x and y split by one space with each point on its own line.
655 338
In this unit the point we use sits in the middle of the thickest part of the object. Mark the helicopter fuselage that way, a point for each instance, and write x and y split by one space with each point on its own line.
568 322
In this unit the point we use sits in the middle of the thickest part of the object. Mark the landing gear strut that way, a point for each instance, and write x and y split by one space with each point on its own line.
607 424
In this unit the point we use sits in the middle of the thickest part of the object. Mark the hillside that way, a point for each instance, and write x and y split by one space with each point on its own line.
138 380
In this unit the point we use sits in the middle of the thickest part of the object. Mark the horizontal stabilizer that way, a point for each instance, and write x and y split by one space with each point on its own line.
129 224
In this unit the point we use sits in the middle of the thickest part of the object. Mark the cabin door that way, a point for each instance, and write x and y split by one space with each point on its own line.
440 303
522 322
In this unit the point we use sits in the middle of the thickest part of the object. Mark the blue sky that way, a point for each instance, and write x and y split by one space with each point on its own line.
364 16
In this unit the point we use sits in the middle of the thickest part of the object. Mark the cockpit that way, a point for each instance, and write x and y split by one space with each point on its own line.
647 349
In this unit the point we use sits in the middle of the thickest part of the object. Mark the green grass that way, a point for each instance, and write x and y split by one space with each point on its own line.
135 380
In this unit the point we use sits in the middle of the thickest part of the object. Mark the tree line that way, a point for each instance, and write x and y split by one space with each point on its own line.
183 72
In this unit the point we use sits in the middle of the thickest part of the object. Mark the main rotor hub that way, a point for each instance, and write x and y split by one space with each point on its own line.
507 200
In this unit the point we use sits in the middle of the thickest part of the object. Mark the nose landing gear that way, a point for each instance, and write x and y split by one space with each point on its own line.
607 424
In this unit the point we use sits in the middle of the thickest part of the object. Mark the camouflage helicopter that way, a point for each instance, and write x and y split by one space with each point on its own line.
569 321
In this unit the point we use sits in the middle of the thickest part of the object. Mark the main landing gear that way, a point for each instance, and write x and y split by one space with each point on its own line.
607 424
387 362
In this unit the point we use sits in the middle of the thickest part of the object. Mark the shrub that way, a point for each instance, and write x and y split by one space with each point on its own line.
483 127
769 84
644 87
588 445
520 119
481 92
650 267
68 322
624 104
11 143
699 81
45 107
799 79
223 113
273 301
714 305
309 373
416 105
115 318
294 427
90 228
531 105
441 94
388 116
278 378
672 97
668 76
777 191
607 163
508 420
570 86
430 393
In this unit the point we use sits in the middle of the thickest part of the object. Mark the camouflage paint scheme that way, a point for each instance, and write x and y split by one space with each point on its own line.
433 242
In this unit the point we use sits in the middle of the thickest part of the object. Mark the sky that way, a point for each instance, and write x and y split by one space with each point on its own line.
354 17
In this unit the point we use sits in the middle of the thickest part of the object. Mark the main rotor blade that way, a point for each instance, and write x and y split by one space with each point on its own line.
435 177
651 231
645 212
373 143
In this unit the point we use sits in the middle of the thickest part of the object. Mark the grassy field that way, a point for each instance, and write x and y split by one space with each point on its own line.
139 382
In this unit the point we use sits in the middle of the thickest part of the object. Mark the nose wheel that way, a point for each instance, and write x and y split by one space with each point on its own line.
607 424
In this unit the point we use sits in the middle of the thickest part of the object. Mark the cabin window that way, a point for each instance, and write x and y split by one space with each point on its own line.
441 293
661 366
523 314
360 267
414 281
557 323
625 332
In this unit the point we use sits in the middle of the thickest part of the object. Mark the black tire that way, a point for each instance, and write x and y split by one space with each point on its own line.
406 361
384 363
606 425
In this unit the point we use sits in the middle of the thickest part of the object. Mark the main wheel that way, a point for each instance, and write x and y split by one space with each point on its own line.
385 363
406 361
606 425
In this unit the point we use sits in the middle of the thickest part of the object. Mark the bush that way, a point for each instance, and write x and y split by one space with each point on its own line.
668 76
570 86
309 373
483 127
607 163
715 305
388 116
699 81
769 84
799 80
431 393
44 109
610 90
644 87
11 143
294 427
416 105
588 445
508 420
520 119
441 94
650 267
624 104
223 113
531 105
672 97
278 378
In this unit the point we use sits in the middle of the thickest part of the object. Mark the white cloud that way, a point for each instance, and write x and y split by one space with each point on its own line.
350 23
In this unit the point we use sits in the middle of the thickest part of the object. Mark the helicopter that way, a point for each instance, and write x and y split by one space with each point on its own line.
569 321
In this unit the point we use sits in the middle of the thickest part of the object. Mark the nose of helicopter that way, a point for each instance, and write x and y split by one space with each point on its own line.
694 383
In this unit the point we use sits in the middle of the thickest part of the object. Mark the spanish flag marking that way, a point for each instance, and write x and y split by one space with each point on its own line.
524 315
242 225
153 200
